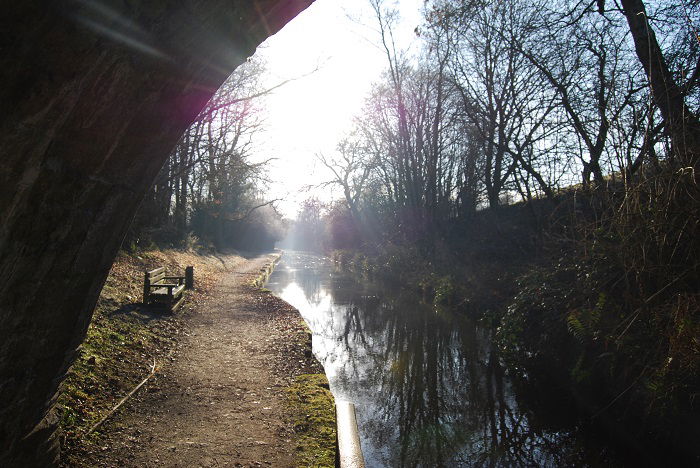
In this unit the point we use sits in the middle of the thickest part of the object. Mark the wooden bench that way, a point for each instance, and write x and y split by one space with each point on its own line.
167 290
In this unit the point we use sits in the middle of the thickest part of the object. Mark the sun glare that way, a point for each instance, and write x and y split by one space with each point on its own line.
328 52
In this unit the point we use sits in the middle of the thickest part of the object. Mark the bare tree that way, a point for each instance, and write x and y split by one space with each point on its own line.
209 173
351 167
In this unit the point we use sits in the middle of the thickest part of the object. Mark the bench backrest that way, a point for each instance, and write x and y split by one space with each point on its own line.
156 275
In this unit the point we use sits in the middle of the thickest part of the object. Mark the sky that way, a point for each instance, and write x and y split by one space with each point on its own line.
309 115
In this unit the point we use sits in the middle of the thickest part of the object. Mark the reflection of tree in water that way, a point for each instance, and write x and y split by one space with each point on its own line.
311 274
353 323
438 392
309 280
430 388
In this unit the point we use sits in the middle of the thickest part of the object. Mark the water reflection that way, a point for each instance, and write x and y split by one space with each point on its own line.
428 384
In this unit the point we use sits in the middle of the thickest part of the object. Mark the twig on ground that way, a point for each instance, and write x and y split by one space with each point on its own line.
121 402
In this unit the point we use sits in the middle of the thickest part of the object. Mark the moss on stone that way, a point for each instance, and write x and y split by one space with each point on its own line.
313 410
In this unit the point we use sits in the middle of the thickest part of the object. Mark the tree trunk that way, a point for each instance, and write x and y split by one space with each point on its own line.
682 125
88 119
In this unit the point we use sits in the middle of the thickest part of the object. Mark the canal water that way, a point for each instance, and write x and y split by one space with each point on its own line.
428 385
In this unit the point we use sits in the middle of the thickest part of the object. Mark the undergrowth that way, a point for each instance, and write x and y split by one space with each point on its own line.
605 300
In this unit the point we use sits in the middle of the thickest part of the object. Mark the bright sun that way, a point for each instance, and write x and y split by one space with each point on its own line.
309 115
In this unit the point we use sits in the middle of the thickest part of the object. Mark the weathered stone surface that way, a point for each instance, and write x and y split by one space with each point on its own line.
94 95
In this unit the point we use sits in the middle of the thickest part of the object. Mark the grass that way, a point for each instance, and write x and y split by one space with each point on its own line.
111 358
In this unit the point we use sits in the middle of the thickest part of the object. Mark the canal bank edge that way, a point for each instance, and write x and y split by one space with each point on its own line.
266 271
311 403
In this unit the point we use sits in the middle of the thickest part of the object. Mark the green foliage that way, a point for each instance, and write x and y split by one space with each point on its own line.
445 290
583 323
547 312
581 372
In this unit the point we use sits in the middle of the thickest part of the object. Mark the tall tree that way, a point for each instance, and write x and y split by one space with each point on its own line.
682 125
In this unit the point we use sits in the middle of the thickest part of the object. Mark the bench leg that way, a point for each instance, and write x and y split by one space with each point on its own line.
189 277
178 302
146 289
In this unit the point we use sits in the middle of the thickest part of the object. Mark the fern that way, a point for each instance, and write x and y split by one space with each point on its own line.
576 327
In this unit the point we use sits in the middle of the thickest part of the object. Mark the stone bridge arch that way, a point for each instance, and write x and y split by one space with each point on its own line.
95 93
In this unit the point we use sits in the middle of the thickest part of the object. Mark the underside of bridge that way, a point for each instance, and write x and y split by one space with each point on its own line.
94 95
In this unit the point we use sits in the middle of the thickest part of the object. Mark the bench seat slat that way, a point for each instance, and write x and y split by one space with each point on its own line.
160 292
177 290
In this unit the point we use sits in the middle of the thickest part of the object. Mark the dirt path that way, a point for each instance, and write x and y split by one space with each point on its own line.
222 400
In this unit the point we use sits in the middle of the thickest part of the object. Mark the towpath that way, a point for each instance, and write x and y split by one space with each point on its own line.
222 399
